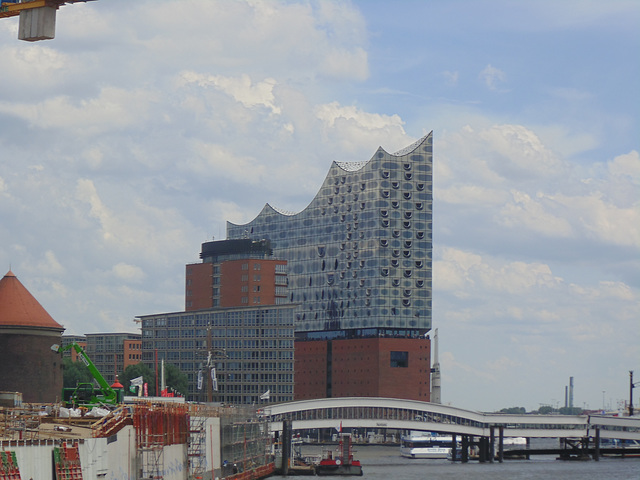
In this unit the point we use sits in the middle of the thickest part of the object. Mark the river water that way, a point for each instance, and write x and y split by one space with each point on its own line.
385 462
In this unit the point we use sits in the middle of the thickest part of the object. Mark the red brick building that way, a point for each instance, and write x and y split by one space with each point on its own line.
235 273
363 367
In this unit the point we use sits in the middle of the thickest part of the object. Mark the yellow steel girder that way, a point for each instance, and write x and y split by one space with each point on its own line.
10 9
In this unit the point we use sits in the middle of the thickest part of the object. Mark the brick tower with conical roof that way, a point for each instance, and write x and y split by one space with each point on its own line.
27 332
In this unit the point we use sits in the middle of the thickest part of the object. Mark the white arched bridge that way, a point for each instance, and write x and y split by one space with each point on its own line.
392 413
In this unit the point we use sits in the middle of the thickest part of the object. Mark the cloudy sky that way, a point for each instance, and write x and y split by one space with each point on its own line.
144 126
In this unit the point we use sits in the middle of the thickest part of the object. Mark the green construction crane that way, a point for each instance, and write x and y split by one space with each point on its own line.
86 394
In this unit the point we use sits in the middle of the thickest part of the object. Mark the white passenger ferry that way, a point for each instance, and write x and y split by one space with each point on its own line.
426 445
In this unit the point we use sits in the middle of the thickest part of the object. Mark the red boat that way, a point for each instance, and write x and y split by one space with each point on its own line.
341 462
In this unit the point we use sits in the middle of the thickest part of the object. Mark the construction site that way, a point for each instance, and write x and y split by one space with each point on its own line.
92 431
145 439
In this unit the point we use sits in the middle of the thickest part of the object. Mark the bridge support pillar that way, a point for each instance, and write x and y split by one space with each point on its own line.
527 456
596 445
501 444
483 449
454 447
287 433
492 444
465 449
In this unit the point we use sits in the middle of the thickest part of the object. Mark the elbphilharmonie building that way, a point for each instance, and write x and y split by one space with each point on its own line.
359 267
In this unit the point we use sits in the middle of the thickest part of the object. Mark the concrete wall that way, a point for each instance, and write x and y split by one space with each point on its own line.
113 458
37 24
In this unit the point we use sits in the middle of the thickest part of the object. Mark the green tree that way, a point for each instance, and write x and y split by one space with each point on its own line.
570 411
176 379
545 410
135 371
74 373
514 410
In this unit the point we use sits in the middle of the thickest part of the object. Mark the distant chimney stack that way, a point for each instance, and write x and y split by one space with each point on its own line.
570 392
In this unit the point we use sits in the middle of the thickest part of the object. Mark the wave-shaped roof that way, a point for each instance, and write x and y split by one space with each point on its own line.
349 167
19 308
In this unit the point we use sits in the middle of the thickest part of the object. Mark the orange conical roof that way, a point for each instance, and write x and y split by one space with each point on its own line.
19 308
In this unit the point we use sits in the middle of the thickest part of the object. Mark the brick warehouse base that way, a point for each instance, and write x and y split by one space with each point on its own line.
363 367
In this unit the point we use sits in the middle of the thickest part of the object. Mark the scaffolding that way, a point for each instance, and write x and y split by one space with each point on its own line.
246 442
156 426
196 451
20 424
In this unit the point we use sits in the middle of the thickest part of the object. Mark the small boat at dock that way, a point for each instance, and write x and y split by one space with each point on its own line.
426 445
340 462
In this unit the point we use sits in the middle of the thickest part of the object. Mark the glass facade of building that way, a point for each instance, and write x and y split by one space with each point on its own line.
251 349
360 255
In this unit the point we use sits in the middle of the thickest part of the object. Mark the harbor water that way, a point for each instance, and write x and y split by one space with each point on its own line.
385 462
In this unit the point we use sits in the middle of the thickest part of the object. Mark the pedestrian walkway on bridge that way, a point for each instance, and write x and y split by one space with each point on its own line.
392 413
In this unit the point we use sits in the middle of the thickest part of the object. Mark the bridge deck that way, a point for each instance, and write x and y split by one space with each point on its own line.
391 413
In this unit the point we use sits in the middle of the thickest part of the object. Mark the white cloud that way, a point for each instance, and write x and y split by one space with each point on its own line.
240 88
523 211
521 148
113 109
343 63
596 218
627 165
36 66
493 77
462 272
353 127
210 160
472 195
129 273
451 78
134 230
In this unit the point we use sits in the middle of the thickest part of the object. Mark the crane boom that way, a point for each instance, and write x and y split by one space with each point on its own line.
107 394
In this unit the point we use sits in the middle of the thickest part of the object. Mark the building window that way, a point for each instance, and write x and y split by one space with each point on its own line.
256 278
245 266
244 278
256 266
399 359
244 300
